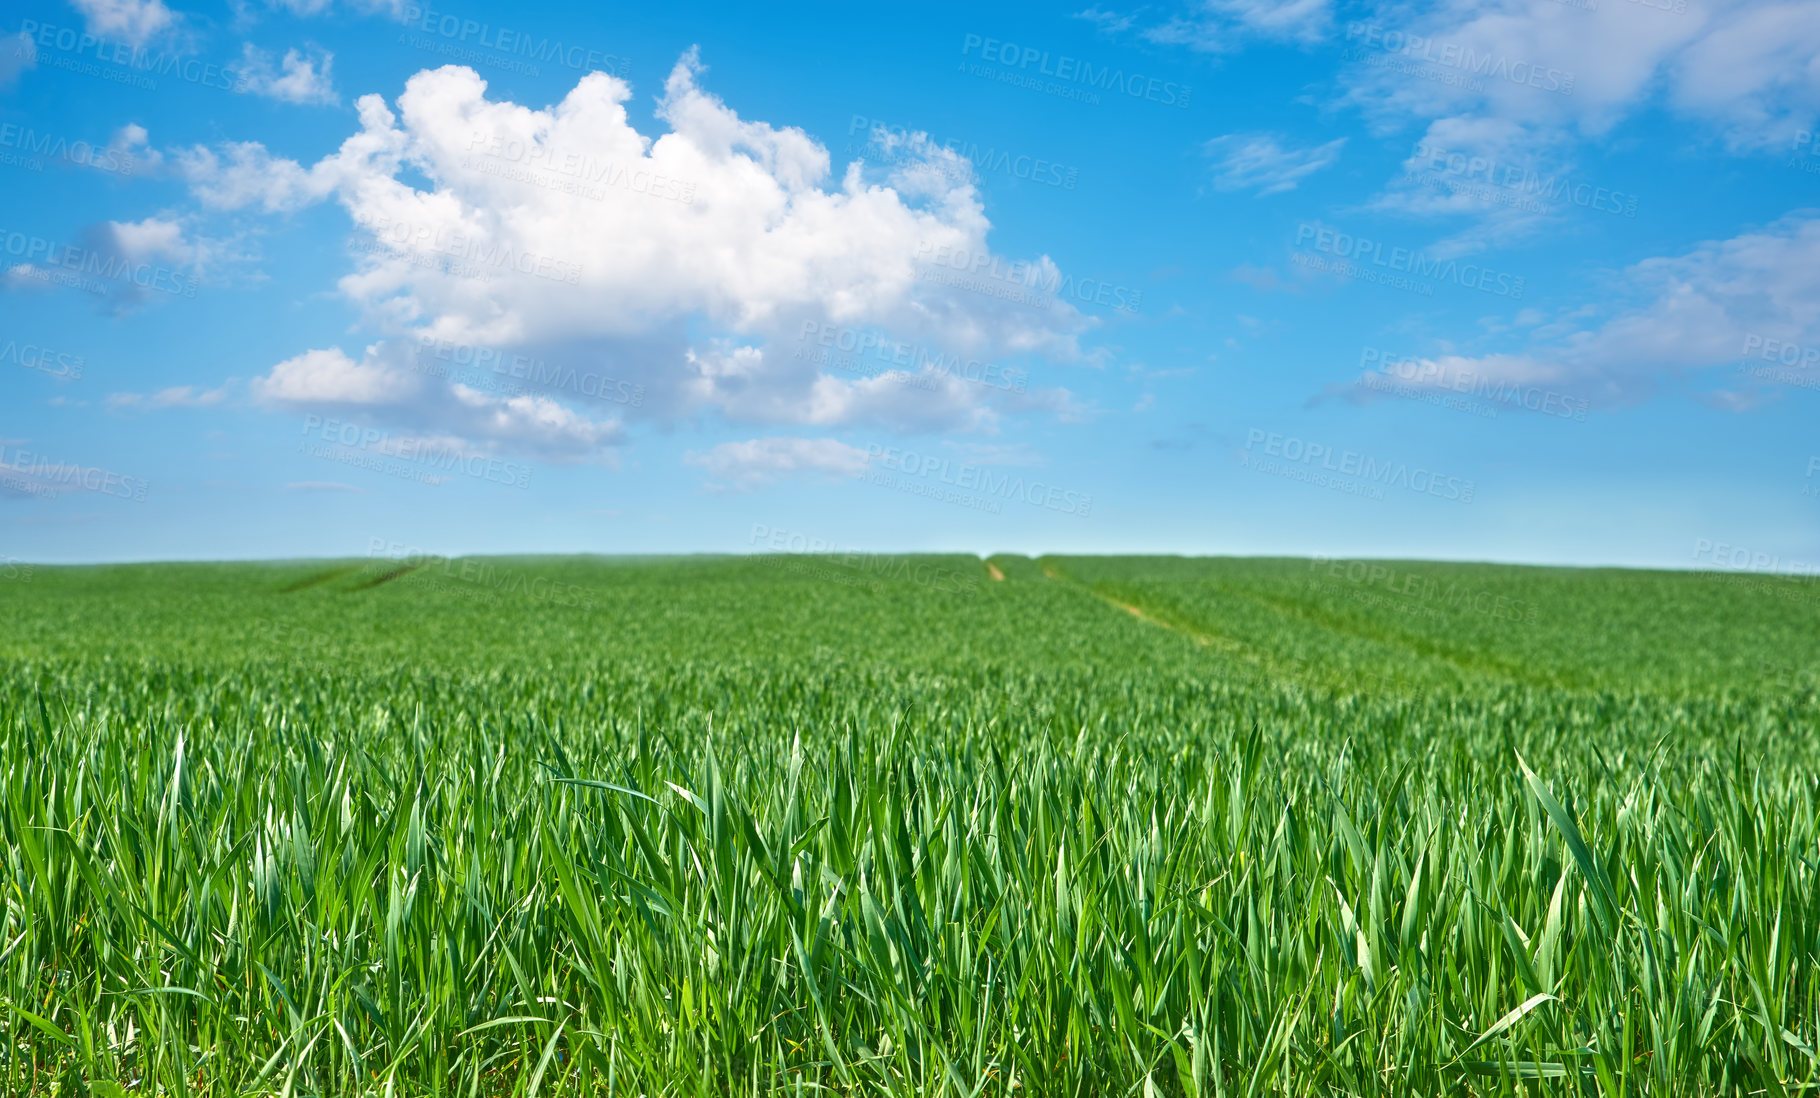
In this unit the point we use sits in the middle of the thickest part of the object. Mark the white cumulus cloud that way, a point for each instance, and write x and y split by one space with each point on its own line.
382 386
1747 69
131 21
690 260
330 377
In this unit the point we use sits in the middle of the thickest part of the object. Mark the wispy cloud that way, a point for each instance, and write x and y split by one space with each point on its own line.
1224 26
177 396
17 54
1267 163
744 466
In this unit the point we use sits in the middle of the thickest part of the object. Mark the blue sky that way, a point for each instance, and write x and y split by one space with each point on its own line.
1532 281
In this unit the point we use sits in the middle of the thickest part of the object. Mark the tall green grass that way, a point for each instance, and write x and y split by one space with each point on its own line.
721 828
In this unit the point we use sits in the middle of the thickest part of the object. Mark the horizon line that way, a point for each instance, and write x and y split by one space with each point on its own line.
1692 568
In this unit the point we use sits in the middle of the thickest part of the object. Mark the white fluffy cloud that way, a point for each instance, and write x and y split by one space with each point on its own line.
331 377
384 387
691 260
129 152
1747 68
1757 72
238 174
1708 307
124 263
1523 84
1261 161
739 381
132 21
754 463
298 77
151 238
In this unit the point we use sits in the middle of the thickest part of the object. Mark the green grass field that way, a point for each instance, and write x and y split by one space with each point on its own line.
1104 826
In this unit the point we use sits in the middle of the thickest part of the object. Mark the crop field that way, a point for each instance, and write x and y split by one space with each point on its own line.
1075 826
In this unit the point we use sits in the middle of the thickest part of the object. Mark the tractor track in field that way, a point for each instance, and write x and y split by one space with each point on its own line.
1387 635
1201 637
317 578
387 576
1256 658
